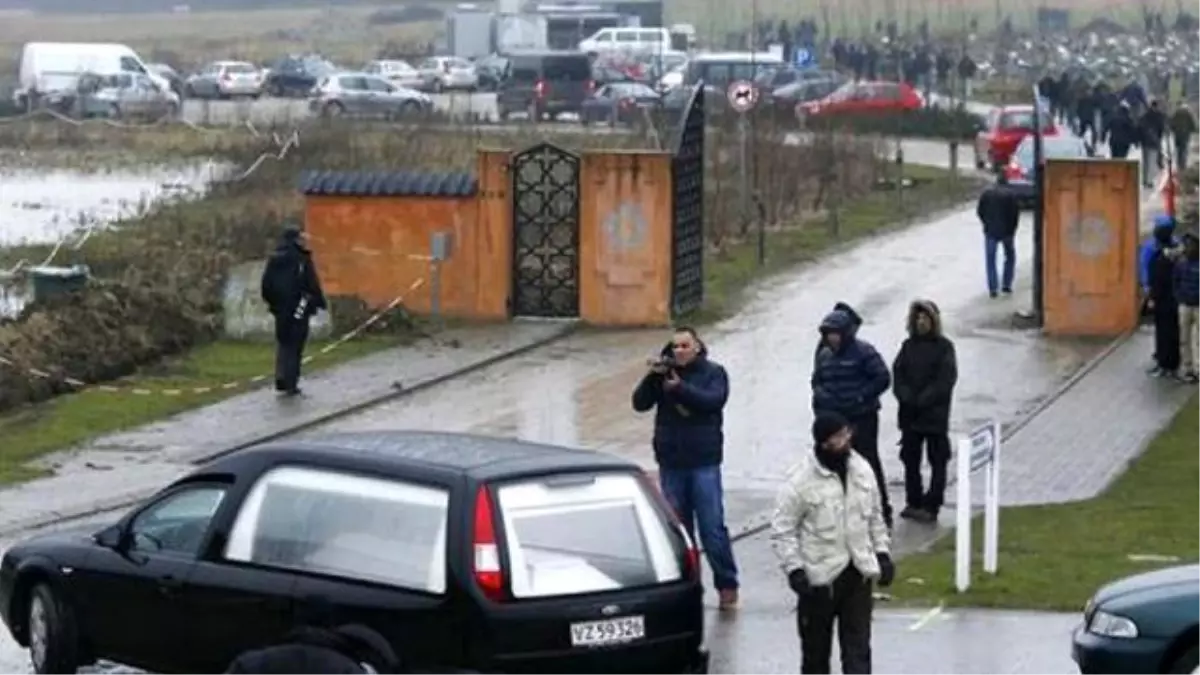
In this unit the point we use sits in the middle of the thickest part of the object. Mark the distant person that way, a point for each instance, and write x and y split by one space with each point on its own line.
1164 306
292 291
346 649
832 542
1152 127
1187 292
848 378
688 392
1183 127
1121 132
1000 213
924 375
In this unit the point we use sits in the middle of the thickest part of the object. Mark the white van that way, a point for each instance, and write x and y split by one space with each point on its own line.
50 66
627 40
720 69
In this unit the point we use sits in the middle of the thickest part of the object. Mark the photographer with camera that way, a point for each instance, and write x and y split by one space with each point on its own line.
688 393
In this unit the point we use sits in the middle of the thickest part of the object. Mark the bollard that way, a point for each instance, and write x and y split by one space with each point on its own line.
954 161
899 179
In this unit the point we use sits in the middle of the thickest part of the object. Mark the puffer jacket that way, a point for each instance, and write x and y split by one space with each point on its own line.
850 380
924 374
821 527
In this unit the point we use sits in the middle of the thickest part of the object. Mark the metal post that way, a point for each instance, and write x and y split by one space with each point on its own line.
743 171
439 252
1039 183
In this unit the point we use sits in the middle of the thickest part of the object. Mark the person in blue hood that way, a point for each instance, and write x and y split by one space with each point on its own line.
1163 303
1153 243
687 392
848 378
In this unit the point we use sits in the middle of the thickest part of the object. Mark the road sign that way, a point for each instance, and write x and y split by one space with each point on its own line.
983 446
742 95
979 450
802 57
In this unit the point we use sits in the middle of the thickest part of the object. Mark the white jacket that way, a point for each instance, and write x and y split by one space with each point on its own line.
821 527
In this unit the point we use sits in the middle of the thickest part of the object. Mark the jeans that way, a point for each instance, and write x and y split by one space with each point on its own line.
1181 157
991 244
849 601
290 336
699 502
1150 159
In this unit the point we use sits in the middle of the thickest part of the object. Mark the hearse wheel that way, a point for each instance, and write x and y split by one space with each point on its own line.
53 632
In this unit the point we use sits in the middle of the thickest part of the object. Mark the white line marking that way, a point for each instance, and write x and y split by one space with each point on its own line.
927 617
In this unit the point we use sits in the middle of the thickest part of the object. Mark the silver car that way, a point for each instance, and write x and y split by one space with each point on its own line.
365 95
128 95
448 72
225 79
399 73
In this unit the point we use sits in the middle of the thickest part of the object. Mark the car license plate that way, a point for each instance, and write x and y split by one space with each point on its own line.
608 632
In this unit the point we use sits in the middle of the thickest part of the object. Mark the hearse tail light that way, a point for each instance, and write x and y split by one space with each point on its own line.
691 554
489 574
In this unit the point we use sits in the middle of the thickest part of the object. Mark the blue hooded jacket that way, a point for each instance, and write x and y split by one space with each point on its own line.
1150 247
850 380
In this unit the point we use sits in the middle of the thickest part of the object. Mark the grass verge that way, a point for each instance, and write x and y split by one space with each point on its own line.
1054 557
65 421
729 272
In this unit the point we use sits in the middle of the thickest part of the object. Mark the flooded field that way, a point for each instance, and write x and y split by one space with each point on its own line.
50 205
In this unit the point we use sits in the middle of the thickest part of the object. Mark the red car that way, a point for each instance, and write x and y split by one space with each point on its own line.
1006 127
864 97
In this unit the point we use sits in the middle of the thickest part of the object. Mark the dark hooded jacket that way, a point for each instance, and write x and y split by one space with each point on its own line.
317 650
1122 131
924 374
856 321
290 277
849 380
688 420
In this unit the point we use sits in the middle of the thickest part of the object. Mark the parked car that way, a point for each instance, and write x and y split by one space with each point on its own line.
465 552
397 72
166 72
864 97
619 103
545 84
672 78
1018 173
128 96
363 95
296 76
782 76
225 79
1003 131
491 71
785 99
1145 623
440 73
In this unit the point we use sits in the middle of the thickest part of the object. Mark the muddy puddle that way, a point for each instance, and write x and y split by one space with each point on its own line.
49 205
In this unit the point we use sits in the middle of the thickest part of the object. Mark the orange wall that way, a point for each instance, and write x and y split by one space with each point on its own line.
625 239
1090 247
495 250
376 248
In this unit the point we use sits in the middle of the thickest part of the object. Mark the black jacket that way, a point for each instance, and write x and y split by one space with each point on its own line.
317 650
1121 131
291 278
999 211
689 420
1152 127
924 375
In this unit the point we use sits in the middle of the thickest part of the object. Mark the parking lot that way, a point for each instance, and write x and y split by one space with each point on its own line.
284 111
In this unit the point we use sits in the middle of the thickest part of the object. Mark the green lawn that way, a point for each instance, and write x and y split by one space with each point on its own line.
728 273
68 420
1055 557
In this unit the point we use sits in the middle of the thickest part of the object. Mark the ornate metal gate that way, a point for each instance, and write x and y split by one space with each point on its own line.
545 194
687 216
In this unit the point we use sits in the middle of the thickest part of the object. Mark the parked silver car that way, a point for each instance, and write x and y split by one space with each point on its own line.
448 72
365 95
225 79
128 95
399 73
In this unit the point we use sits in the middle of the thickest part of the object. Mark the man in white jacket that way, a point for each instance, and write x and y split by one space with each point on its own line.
831 539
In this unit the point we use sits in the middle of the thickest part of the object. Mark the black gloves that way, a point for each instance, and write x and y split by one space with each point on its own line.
798 581
887 569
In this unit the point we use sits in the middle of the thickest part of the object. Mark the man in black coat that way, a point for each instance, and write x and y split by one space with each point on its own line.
1152 127
351 648
1000 213
923 378
1164 303
687 392
292 291
1121 131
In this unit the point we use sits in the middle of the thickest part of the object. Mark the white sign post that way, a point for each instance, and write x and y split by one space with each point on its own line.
979 450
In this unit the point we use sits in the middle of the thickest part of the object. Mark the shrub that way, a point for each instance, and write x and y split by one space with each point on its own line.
933 122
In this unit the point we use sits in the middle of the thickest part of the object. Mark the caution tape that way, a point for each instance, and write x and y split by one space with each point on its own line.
79 385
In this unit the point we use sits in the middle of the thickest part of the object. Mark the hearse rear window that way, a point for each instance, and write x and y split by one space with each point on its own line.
585 533
327 522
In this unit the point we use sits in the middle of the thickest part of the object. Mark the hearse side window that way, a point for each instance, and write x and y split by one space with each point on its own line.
587 533
355 527
177 523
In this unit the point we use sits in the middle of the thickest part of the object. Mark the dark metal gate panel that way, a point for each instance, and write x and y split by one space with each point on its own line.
545 197
687 214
